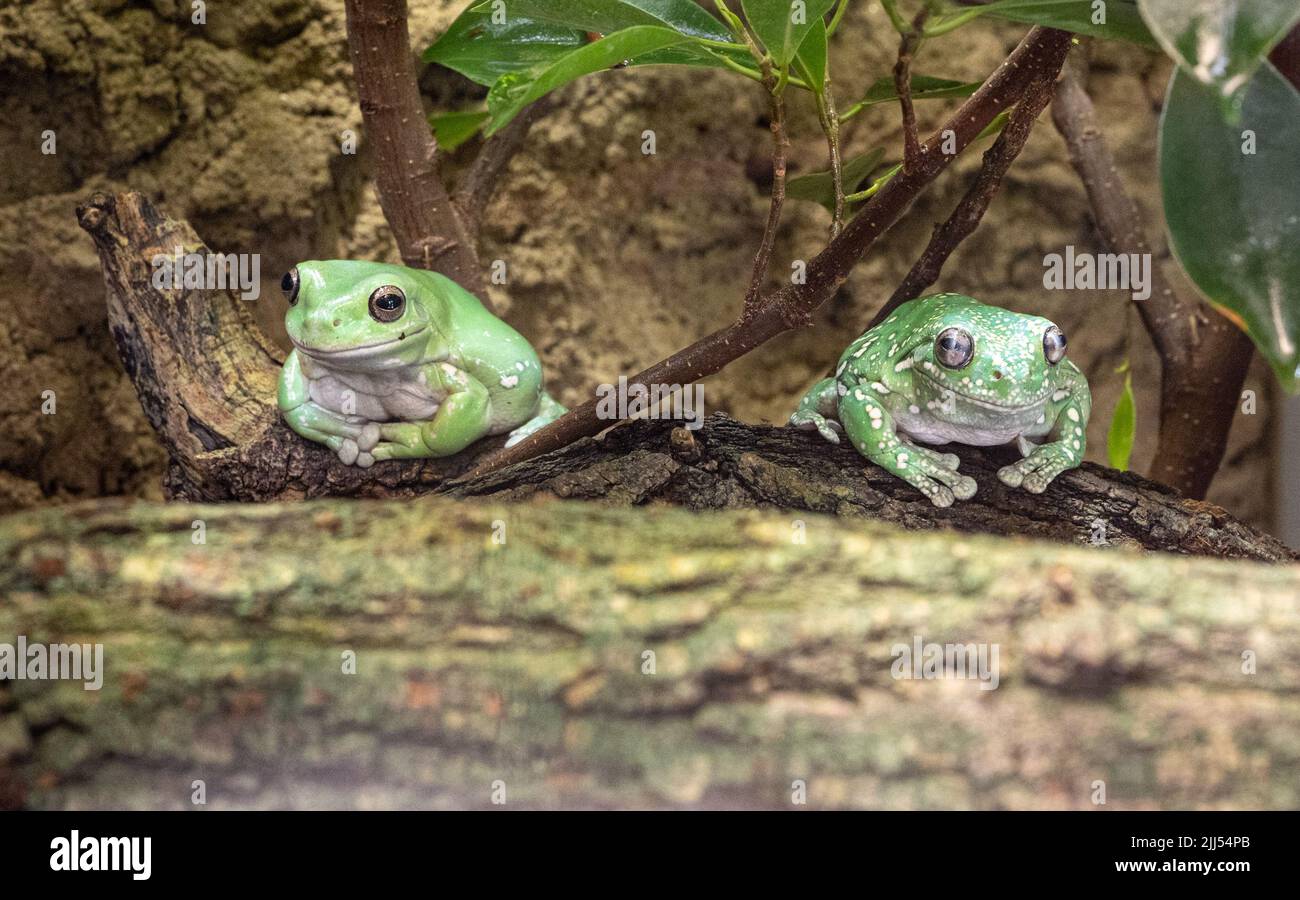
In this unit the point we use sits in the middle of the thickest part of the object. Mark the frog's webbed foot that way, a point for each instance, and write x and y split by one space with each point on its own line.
1037 470
811 420
547 412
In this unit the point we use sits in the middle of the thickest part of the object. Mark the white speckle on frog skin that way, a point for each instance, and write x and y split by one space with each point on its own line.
861 350
520 366
1058 396
509 381
1078 431
841 389
905 364
858 395
902 460
879 388
1041 419
914 409
840 370
1073 414
1076 445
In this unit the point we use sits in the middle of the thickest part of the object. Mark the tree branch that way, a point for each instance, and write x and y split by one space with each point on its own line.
478 184
426 225
525 662
1203 357
1042 51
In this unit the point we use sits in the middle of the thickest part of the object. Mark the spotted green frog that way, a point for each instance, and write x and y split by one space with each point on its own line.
396 363
949 368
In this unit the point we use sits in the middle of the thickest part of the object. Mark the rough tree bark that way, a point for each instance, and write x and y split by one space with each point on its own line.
529 662
206 379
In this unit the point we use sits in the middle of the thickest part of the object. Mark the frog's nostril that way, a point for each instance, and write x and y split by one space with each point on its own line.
337 323
997 376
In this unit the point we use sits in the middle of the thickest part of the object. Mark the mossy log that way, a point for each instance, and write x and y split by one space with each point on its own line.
206 378
554 654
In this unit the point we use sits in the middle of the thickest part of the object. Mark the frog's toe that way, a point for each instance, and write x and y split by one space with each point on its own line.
348 451
940 495
365 460
1011 476
965 487
368 437
950 460
1036 482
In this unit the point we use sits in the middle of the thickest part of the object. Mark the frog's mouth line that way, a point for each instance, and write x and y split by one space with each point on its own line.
359 350
987 404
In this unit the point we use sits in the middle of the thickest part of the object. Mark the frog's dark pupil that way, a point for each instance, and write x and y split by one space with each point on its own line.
388 302
286 283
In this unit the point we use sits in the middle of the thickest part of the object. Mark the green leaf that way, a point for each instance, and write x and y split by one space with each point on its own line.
782 25
1123 425
1220 42
514 91
812 56
1234 216
924 87
604 17
819 187
1122 20
455 128
483 51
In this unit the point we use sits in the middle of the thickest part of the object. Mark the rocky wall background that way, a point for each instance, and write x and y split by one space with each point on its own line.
615 258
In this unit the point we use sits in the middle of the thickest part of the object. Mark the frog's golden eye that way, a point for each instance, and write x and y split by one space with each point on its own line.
387 303
1054 345
954 348
289 284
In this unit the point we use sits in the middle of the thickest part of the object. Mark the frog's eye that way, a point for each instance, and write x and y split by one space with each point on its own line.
289 284
954 348
387 303
1054 345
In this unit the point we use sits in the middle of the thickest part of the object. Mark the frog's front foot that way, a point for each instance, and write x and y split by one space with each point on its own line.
351 454
808 420
1037 470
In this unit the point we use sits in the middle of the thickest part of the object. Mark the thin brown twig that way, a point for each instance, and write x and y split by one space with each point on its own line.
1042 50
479 183
903 87
779 145
968 213
1203 356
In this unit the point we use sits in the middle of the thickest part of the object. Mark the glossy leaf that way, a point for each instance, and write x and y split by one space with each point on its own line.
483 51
1123 425
782 25
1122 19
819 187
924 87
812 56
604 17
1234 215
455 128
514 91
1220 42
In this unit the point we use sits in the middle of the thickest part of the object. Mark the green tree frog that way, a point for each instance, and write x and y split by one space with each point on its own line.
396 363
949 368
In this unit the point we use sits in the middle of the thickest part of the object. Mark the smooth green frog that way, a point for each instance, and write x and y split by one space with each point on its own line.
395 363
949 368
